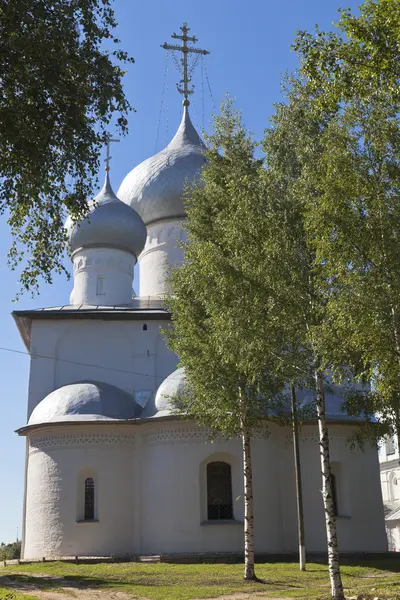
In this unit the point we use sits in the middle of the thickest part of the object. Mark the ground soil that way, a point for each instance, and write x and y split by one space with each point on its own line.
68 592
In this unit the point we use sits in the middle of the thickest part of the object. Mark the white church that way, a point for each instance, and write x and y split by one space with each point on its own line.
110 468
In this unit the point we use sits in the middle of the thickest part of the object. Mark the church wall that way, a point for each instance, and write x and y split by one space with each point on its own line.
159 251
152 493
360 521
174 460
59 463
172 463
121 352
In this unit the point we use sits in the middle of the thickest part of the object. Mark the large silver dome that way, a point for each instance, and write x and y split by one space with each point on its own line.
155 187
85 401
110 223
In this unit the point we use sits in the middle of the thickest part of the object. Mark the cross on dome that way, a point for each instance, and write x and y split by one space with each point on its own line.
186 50
108 146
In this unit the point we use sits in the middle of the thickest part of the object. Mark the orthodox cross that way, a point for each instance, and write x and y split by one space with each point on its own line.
183 88
108 145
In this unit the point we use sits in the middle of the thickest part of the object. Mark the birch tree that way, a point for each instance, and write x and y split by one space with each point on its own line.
292 144
353 78
227 330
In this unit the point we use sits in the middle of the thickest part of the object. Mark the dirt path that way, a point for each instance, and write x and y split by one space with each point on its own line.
75 590
68 592
61 592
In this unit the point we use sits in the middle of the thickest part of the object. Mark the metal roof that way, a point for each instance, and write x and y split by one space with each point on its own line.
142 308
392 511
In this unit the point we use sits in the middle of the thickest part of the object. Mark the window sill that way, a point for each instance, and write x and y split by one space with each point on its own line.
222 522
87 521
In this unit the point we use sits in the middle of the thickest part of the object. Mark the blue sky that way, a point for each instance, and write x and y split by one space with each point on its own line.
249 44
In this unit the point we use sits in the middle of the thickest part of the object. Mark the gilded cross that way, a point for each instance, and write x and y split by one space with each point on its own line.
183 85
108 146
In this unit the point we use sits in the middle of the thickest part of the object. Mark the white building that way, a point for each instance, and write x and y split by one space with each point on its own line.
110 470
389 459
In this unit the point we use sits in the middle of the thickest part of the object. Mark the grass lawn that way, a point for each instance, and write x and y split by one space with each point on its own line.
365 578
7 594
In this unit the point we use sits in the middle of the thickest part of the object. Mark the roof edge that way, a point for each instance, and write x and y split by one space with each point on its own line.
24 325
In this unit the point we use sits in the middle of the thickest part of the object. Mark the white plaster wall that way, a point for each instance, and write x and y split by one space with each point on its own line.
360 523
169 464
152 498
393 535
115 267
117 352
159 252
59 462
173 499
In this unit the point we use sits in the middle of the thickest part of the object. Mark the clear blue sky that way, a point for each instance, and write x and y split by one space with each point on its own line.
250 48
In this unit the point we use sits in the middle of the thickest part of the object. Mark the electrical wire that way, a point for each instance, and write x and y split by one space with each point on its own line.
162 99
74 362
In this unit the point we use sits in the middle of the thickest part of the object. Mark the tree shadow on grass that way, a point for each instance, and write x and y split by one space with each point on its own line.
29 582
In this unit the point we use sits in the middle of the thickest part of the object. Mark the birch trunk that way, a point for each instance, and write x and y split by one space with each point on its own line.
327 492
299 491
249 574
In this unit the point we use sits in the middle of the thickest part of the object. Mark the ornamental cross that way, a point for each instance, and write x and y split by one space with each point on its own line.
183 85
108 146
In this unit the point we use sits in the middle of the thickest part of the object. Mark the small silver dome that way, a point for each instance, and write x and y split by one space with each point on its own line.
155 187
159 404
110 223
85 401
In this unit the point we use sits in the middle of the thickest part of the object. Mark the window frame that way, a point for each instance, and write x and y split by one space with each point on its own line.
89 505
226 494
100 285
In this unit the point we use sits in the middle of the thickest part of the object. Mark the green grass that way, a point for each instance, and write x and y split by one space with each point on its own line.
7 594
370 578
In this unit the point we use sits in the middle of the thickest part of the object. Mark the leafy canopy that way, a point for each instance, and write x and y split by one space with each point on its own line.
227 328
351 194
60 90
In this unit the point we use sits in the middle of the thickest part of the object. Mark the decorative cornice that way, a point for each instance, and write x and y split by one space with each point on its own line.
89 439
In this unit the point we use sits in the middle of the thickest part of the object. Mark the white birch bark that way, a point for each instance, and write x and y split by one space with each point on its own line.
299 490
327 493
249 573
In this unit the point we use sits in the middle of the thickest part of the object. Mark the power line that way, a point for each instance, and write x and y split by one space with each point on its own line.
73 362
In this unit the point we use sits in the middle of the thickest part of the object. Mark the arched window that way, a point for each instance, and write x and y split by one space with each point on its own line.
219 491
89 499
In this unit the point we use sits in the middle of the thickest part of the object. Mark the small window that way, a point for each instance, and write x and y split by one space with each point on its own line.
219 491
101 288
334 494
89 499
145 327
390 445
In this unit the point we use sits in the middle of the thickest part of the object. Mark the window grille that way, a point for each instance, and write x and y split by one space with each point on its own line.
219 491
89 499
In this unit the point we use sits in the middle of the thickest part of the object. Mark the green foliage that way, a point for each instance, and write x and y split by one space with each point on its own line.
60 90
10 551
228 326
351 191
360 59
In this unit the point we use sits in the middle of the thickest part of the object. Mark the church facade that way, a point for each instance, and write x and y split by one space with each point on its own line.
110 469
